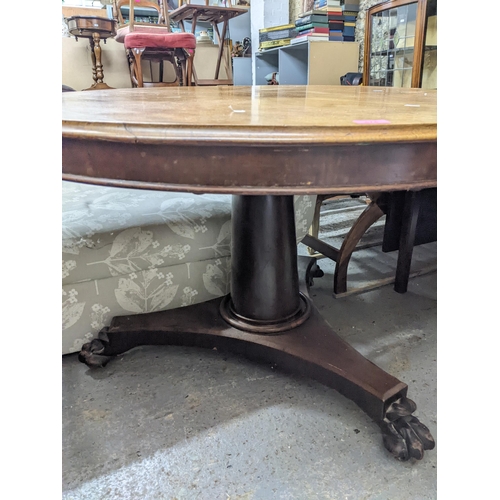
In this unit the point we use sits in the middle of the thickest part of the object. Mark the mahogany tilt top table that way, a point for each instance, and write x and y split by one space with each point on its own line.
262 145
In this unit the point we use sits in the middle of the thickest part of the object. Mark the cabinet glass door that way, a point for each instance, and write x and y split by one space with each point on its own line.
392 43
429 67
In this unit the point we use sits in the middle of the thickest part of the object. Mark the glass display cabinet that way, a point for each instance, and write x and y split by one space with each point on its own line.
401 44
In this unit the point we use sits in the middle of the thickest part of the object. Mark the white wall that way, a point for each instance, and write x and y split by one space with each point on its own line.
265 14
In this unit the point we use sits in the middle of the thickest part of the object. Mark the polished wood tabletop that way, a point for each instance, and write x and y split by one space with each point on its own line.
269 139
86 26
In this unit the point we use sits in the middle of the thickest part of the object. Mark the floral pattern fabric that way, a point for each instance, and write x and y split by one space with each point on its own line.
128 251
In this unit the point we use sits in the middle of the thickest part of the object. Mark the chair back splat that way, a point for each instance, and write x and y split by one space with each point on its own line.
153 42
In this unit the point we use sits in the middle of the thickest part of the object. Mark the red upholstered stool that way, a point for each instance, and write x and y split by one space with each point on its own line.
155 43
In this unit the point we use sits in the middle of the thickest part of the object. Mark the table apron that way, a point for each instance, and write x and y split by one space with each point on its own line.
252 169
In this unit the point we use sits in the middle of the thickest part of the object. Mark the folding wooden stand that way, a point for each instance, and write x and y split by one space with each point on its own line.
215 16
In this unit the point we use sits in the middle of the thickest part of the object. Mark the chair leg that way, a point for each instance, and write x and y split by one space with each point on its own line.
181 58
137 66
130 59
181 68
314 229
189 68
176 63
370 215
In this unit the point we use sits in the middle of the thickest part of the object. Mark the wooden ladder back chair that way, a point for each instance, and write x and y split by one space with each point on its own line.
154 42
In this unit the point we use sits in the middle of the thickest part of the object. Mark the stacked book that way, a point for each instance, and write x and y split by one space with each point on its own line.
350 10
340 29
335 21
312 25
276 36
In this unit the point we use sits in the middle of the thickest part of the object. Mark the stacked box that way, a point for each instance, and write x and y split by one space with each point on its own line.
276 36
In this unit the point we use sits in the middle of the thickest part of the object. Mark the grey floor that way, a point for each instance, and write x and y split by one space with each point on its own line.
188 423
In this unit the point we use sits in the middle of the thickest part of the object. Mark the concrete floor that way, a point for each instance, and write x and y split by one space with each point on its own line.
188 423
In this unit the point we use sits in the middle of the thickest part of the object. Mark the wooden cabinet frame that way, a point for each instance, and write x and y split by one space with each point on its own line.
420 30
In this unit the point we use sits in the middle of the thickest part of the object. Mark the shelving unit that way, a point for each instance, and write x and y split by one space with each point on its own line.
308 63
242 71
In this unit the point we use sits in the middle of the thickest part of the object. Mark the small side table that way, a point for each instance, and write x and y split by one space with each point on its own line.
213 15
95 29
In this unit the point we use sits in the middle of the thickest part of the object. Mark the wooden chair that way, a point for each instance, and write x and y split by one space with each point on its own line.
154 42
411 220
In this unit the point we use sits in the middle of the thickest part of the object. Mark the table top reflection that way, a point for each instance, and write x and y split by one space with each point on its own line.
333 137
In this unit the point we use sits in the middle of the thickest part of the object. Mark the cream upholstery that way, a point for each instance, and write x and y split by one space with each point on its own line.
128 251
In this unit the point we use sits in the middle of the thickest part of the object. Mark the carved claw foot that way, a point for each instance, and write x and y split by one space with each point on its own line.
403 434
92 352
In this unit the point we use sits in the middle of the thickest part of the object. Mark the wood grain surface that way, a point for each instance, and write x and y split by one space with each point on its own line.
269 139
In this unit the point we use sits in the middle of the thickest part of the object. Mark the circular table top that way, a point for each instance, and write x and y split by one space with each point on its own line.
294 139
86 26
